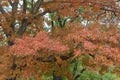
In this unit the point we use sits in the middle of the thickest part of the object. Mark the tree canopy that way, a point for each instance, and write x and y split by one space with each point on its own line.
83 39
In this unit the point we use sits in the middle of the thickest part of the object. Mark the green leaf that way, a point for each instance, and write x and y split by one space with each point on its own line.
110 76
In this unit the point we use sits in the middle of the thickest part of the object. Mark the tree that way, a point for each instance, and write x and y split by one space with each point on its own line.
52 52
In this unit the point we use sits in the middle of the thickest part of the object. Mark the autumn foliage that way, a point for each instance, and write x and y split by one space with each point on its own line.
101 44
32 45
96 41
94 45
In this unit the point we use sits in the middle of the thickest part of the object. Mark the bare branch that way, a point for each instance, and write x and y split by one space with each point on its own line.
37 6
14 7
22 27
24 6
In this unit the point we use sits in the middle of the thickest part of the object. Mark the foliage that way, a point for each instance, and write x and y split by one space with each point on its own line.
57 21
90 47
70 51
89 75
109 76
38 43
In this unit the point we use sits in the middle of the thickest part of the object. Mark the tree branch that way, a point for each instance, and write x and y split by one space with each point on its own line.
24 6
37 6
2 10
22 27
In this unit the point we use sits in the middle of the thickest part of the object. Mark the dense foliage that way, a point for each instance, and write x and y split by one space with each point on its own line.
82 44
